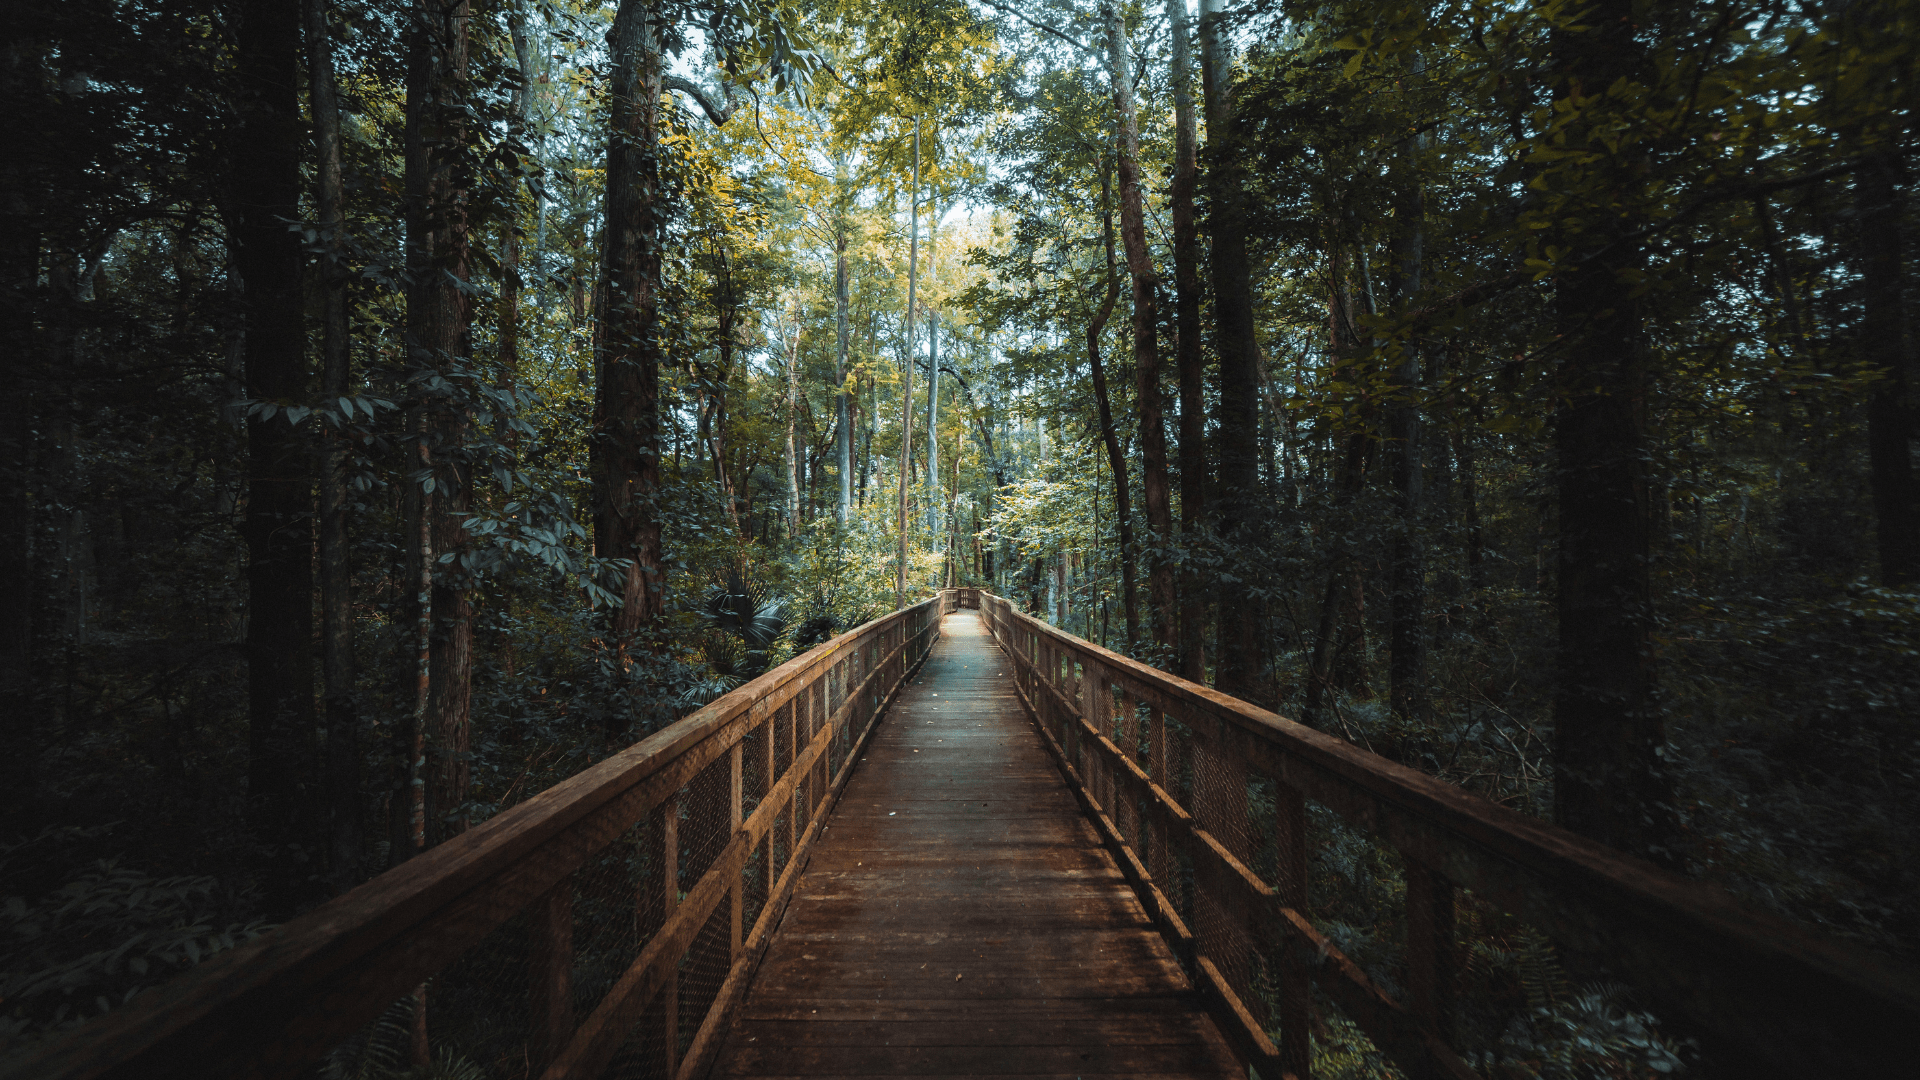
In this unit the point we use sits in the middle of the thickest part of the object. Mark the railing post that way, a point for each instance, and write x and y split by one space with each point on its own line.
670 872
1430 961
1290 883
736 796
552 974
797 797
1162 857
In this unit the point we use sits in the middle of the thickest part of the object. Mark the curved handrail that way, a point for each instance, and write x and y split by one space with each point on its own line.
1773 998
271 1007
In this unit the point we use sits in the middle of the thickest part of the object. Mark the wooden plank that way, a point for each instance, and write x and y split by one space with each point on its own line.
1779 1000
276 1003
948 884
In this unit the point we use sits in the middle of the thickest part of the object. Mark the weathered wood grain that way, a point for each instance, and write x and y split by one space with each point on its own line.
959 915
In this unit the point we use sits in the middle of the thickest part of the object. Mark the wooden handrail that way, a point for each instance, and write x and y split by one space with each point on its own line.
1768 997
273 1006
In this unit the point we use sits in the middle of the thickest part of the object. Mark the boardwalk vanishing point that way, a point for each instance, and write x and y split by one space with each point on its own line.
960 916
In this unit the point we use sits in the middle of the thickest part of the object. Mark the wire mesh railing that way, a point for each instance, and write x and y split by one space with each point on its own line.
603 928
1208 805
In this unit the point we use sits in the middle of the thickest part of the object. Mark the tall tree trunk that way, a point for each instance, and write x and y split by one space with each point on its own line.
843 401
1116 461
1240 616
265 178
1327 669
336 571
933 378
1893 420
793 419
626 427
1406 635
1609 731
1163 615
906 368
439 334
1192 365
509 311
21 223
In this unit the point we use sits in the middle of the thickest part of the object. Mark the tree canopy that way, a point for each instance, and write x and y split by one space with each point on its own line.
411 403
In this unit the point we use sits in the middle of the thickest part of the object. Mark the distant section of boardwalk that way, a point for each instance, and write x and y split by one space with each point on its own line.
959 917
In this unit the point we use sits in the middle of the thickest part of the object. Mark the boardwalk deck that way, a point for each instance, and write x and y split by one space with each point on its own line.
959 916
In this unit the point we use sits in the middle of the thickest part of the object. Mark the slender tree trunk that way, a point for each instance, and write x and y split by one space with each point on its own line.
843 401
1116 461
1192 365
336 571
265 178
793 418
21 222
933 378
906 370
1406 636
1324 667
412 831
1240 615
509 312
438 334
1609 731
1470 516
1163 615
626 428
1893 421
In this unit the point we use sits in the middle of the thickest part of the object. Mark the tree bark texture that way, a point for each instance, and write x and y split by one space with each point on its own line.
793 421
1609 731
439 342
626 425
265 178
1116 461
1893 421
1192 365
843 402
341 703
1163 615
509 311
1406 562
906 368
1240 616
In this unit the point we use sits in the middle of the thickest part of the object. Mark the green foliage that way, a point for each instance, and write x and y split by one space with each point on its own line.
107 933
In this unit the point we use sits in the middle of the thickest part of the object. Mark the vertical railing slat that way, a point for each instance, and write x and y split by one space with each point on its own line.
1290 885
551 974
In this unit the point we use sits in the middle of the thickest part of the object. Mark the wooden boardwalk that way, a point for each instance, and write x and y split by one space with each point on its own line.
959 916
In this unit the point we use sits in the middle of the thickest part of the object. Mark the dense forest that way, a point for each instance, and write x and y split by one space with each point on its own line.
410 403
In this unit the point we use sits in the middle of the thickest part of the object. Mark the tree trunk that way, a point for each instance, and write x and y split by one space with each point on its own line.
933 379
21 223
793 419
336 571
1163 615
265 178
1325 670
843 402
906 369
509 311
439 334
1406 633
626 427
1192 365
1893 422
1240 616
1609 731
1116 461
